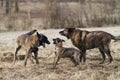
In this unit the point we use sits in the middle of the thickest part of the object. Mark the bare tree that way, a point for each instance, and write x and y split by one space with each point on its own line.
16 6
7 6
53 13
9 3
2 3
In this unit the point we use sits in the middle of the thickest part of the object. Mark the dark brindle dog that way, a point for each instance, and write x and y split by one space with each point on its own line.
85 40
62 52
30 42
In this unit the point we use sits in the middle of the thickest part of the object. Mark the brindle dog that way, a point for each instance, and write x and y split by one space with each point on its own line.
85 40
30 42
62 52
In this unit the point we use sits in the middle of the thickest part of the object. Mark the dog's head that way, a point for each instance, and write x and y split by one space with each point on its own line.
42 40
67 32
58 41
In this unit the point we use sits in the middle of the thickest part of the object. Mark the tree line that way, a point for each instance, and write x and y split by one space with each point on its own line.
8 4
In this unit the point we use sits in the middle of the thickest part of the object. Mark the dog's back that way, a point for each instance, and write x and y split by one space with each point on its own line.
22 39
70 52
63 51
26 41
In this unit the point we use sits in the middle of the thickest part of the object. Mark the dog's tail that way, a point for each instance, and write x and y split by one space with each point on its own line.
116 38
31 32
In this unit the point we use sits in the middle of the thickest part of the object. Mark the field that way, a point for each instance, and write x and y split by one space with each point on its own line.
91 70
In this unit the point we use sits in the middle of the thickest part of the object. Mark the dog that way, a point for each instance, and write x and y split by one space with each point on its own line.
30 42
85 40
62 52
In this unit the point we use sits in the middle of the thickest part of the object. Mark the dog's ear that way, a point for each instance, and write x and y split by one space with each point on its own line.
37 33
54 39
71 29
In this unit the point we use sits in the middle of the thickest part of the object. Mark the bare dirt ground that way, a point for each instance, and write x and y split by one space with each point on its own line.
91 70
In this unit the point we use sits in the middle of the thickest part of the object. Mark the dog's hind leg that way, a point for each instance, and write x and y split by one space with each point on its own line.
15 55
103 55
107 51
75 61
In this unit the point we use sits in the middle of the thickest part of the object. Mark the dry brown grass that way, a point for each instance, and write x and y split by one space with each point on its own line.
91 70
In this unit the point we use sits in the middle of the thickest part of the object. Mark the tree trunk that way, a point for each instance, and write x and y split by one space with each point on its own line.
2 3
16 6
7 7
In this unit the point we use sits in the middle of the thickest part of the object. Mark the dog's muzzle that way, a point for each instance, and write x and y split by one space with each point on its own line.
43 44
48 42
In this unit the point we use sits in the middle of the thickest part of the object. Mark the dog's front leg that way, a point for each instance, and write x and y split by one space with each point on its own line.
31 57
55 57
36 57
83 56
54 65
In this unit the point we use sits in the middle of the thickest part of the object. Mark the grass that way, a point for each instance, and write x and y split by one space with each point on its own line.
91 70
